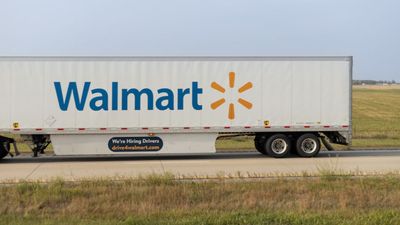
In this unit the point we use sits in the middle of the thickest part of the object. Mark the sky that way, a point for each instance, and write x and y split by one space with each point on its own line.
369 30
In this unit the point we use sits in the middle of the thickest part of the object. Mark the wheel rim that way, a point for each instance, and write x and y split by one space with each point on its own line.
309 145
279 146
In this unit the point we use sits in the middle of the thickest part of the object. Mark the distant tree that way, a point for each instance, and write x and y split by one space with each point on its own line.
373 82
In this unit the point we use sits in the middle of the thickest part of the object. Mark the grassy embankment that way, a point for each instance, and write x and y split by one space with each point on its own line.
376 120
163 200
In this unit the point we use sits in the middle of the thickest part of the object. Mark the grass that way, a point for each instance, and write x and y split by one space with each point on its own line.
376 117
245 217
165 200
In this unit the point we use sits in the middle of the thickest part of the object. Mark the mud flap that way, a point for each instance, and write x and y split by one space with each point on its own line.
5 147
336 138
326 143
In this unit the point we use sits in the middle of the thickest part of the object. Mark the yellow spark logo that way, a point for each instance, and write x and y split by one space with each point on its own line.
241 101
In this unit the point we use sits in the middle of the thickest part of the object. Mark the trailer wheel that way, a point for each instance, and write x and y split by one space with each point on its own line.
259 143
308 145
278 146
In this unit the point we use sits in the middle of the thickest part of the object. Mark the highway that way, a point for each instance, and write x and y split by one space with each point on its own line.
242 164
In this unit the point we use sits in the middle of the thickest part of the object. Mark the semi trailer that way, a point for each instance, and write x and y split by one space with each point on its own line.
166 105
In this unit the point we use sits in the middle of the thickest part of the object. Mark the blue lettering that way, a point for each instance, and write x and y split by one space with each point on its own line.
181 96
72 90
137 94
100 99
195 96
114 96
169 98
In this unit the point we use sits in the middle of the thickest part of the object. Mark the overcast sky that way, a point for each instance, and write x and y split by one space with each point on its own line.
369 30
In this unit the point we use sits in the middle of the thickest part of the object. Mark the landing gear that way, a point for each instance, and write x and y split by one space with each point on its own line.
38 143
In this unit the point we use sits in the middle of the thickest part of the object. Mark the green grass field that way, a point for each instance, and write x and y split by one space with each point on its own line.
376 117
164 200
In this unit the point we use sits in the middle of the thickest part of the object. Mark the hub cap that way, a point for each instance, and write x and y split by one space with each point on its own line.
279 146
309 145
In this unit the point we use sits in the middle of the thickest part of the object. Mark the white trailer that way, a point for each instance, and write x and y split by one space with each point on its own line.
155 105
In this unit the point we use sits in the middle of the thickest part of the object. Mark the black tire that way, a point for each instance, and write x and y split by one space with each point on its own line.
278 146
3 152
259 143
308 145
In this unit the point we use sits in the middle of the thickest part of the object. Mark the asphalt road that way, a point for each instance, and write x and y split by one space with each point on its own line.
246 164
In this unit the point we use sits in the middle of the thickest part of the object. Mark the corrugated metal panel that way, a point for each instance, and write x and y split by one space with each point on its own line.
291 91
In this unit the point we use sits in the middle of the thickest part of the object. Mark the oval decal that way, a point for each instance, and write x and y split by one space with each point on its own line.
135 144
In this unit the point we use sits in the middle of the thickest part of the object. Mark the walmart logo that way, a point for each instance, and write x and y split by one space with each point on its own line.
101 99
241 101
86 96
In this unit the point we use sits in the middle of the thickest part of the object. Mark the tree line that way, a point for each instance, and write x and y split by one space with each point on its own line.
373 82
